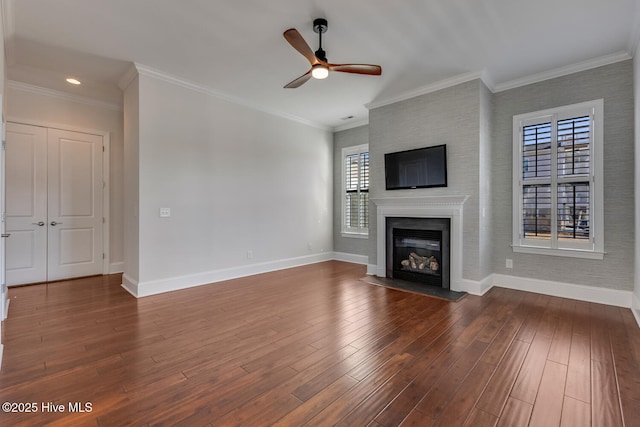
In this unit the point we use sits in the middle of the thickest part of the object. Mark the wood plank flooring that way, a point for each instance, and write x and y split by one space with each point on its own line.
314 346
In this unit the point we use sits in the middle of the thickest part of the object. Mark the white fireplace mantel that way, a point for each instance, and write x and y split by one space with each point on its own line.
423 207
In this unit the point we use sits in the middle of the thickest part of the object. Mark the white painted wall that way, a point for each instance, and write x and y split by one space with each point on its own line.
131 202
3 287
24 103
636 90
235 179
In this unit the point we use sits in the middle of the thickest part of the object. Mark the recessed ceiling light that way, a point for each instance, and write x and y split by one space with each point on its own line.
346 118
73 81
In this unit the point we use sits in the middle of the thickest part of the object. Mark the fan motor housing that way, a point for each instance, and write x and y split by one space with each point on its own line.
320 25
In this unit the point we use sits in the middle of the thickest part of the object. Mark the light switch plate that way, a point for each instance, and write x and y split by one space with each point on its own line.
165 212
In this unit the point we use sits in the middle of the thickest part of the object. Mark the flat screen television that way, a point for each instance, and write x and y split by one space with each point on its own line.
419 168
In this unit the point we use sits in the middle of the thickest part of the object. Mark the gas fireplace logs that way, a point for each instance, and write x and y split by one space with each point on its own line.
420 263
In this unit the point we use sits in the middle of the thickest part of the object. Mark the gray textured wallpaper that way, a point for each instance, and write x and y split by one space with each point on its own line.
345 138
450 116
614 84
477 125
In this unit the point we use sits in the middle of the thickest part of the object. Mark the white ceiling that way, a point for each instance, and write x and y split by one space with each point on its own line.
236 48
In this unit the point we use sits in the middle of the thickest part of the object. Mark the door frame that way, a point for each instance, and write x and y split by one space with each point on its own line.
106 144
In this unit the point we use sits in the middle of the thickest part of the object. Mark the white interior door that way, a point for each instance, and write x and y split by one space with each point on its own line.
26 204
74 204
54 204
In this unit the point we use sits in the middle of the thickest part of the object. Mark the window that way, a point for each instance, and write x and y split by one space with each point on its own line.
355 197
557 181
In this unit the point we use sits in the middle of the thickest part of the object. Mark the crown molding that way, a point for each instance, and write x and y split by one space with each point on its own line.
487 79
127 77
159 75
8 29
423 90
351 125
25 87
563 71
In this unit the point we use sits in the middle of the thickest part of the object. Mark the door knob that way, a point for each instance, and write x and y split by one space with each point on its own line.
6 234
39 223
53 223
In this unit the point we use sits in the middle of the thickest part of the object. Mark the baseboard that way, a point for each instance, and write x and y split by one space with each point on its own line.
353 258
1 353
130 285
116 267
372 269
473 287
153 287
635 308
565 290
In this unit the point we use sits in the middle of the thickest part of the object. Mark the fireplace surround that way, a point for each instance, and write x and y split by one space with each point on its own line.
450 207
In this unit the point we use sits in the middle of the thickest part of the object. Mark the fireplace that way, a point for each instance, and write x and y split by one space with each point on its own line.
429 207
418 250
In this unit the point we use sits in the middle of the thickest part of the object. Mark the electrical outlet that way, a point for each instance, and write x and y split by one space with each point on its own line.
509 263
310 246
165 212
249 254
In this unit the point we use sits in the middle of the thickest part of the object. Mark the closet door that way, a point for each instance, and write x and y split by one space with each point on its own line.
26 204
74 204
54 204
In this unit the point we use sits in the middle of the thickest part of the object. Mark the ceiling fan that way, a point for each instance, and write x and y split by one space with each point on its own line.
319 66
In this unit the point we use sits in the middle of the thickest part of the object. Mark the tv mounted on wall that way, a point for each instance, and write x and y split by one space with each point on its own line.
419 168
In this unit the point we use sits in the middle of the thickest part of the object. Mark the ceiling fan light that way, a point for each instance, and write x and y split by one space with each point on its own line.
319 71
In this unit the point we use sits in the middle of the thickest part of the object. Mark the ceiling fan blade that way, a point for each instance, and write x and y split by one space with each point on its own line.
299 81
374 70
297 42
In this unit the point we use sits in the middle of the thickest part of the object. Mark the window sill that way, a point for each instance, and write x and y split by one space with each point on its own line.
569 253
355 235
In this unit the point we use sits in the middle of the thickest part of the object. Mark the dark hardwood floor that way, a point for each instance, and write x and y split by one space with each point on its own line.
314 346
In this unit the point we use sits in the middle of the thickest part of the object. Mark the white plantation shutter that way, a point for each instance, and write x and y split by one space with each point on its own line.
356 190
557 163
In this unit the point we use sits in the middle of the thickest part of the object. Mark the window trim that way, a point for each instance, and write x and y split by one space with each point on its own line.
360 232
595 248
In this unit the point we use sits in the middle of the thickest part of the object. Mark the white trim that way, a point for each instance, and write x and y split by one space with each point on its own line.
116 267
153 287
563 71
106 202
159 75
424 207
355 235
354 232
430 88
351 125
9 31
128 76
594 294
569 253
25 87
129 284
354 258
372 269
594 247
51 125
475 287
106 168
635 308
